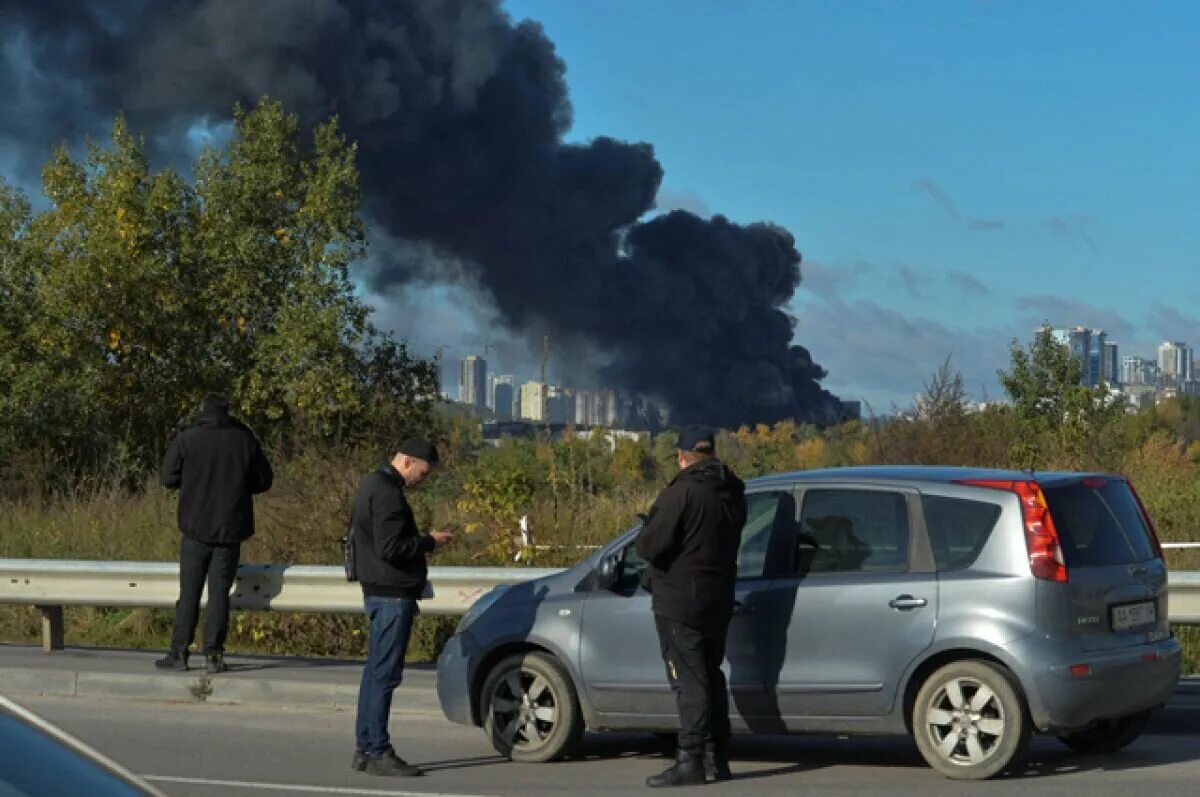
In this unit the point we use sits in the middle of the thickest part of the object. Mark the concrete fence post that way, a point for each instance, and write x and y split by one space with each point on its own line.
52 628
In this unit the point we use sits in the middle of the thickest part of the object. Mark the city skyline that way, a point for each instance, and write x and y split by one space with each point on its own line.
509 399
948 172
1141 379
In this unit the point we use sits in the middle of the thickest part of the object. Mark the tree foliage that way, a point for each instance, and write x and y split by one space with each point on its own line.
1061 422
137 291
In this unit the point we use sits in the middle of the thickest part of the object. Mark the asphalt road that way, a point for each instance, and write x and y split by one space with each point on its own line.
199 750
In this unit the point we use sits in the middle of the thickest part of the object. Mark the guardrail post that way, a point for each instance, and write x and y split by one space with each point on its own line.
52 628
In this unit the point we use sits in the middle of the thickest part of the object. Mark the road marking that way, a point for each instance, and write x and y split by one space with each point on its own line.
293 788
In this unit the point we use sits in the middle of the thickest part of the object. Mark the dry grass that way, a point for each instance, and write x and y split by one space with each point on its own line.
300 520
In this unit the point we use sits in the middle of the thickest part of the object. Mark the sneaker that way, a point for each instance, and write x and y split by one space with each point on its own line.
359 762
215 663
172 661
391 764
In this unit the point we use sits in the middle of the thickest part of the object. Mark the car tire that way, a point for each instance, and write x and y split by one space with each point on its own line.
970 721
530 709
1107 736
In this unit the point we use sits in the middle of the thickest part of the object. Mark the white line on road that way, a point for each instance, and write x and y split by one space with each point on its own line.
292 787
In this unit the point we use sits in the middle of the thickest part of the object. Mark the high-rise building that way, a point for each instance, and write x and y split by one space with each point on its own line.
585 408
608 413
1079 342
1138 371
1110 371
472 381
1176 363
1098 359
560 404
1095 361
501 405
504 400
532 402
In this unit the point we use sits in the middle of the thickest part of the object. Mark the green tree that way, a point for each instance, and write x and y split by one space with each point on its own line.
136 292
1060 421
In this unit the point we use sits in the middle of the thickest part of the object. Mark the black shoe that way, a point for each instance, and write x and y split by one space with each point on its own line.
688 770
716 763
172 661
214 663
359 762
391 764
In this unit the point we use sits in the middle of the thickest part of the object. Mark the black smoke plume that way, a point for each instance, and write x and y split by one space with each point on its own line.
460 115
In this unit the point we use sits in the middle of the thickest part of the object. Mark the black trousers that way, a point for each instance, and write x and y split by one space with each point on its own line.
693 661
218 565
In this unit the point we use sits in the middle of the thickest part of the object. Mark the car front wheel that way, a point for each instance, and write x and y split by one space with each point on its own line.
530 709
969 721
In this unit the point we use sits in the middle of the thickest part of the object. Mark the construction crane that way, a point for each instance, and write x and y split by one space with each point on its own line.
545 390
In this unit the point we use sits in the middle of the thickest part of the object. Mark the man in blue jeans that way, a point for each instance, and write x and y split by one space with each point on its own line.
390 559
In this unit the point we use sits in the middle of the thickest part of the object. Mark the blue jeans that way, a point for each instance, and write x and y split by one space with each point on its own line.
391 625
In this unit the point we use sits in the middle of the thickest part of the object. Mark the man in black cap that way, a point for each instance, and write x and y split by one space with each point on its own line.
217 464
690 539
390 558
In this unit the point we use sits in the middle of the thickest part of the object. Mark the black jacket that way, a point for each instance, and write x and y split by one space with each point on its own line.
217 464
389 551
690 540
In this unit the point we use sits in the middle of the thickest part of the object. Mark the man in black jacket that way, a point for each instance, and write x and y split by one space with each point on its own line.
690 541
217 464
390 558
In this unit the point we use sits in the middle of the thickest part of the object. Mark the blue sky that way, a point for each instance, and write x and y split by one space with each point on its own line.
954 172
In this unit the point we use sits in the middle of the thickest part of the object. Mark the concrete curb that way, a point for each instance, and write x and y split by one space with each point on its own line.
224 689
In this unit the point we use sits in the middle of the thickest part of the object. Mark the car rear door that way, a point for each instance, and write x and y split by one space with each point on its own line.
1115 594
859 607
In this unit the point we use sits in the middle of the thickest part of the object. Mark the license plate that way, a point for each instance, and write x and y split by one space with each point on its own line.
1132 615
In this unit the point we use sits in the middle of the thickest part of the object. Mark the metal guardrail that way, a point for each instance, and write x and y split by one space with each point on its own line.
51 584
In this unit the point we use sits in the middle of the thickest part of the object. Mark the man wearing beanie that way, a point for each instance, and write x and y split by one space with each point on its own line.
390 559
690 541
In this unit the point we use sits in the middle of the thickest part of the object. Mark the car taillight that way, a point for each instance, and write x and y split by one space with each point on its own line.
1158 549
1041 538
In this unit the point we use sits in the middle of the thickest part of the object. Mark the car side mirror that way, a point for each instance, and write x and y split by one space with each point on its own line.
608 572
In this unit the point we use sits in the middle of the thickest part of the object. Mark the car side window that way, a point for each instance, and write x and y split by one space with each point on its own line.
768 516
852 531
632 567
958 529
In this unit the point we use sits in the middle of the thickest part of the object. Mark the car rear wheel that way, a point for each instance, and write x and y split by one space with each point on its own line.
970 722
530 709
1107 736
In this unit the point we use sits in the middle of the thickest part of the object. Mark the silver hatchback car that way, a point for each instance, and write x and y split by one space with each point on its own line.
967 608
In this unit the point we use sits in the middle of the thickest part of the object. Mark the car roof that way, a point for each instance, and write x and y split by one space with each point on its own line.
927 474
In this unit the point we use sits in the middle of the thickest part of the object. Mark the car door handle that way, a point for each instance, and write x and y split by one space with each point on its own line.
905 602
742 609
